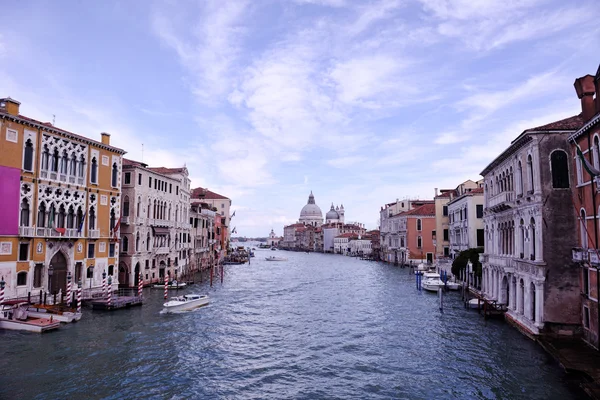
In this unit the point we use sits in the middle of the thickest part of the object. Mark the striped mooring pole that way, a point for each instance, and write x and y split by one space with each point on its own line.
140 285
104 284
109 290
166 286
2 283
69 289
79 296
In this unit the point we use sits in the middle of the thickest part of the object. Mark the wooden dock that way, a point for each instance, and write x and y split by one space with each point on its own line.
117 303
489 308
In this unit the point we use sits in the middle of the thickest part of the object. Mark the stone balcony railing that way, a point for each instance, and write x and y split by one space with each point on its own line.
26 231
501 201
162 250
94 233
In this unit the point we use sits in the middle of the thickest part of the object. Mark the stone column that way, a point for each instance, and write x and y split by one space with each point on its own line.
539 303
518 299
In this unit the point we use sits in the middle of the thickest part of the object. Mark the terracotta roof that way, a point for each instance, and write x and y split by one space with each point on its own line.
166 171
128 162
347 235
572 123
50 126
447 193
478 190
425 209
203 193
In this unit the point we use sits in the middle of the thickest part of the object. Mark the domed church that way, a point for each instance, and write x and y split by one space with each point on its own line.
311 213
335 214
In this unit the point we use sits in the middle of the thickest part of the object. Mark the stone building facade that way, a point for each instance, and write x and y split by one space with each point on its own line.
530 230
465 216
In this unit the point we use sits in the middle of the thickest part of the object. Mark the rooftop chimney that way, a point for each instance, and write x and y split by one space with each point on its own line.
586 89
10 106
105 138
435 192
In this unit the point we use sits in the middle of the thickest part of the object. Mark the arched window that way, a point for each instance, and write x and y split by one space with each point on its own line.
22 278
81 166
532 228
24 213
419 242
51 216
90 272
582 230
55 159
511 183
28 156
148 242
115 174
73 169
522 237
530 172
125 244
532 298
149 208
139 206
70 218
45 158
560 169
113 219
94 172
155 211
60 223
137 242
419 224
64 162
126 206
79 219
520 178
92 219
521 297
596 152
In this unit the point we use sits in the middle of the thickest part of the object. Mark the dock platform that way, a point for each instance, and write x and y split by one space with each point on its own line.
117 303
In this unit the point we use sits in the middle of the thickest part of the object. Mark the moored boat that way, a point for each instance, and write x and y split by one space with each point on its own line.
185 303
171 285
276 259
38 311
432 284
453 285
15 317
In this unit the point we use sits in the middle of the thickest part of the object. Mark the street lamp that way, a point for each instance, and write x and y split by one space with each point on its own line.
91 268
50 273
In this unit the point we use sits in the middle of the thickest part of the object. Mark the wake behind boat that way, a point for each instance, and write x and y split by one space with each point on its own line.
276 258
185 303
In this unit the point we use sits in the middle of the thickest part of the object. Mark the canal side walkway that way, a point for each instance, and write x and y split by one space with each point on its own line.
577 358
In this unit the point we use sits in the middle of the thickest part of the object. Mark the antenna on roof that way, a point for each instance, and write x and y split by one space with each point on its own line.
53 119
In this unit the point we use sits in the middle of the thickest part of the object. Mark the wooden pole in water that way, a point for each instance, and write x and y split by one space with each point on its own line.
211 275
441 295
222 272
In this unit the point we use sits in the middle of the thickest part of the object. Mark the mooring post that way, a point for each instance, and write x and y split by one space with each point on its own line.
223 270
441 296
211 275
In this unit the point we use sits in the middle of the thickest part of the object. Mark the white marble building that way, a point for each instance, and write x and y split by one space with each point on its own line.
311 213
530 230
465 221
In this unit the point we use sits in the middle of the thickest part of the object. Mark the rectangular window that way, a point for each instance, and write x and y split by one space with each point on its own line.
78 267
139 179
446 251
177 190
586 281
23 251
586 317
480 237
170 187
446 237
127 178
37 275
111 250
147 264
479 210
11 135
91 250
89 274
150 182
445 211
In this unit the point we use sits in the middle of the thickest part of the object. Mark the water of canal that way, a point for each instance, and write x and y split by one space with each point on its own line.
316 326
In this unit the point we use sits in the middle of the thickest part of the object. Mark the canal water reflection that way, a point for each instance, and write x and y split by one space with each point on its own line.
316 326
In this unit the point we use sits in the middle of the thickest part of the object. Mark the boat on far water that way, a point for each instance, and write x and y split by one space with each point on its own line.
185 303
171 285
15 317
276 258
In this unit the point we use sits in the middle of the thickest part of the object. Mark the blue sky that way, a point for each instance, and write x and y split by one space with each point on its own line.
361 102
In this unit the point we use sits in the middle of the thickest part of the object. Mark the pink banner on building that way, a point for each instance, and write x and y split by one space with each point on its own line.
10 179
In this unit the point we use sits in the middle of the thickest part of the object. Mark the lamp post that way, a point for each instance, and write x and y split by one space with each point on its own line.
50 273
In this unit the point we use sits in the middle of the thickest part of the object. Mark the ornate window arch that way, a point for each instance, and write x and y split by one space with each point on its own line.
559 166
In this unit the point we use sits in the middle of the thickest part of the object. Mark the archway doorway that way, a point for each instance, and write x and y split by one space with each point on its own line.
123 274
532 298
136 275
58 281
161 270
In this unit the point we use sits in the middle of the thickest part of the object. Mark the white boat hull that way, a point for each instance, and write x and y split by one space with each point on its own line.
475 304
453 286
432 285
276 259
176 306
171 287
65 317
27 326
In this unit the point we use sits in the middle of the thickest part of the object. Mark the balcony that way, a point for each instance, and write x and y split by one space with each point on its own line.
94 233
125 220
580 254
162 250
506 262
501 202
26 231
63 178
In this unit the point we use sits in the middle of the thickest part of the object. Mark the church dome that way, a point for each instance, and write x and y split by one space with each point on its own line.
311 210
332 214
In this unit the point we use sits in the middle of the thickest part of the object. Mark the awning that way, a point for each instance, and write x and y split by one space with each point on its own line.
160 231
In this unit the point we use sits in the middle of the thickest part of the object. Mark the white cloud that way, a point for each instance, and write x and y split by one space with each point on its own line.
451 138
370 14
346 162
330 3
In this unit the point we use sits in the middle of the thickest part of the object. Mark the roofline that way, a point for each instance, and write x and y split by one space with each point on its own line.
515 145
588 125
464 195
149 170
62 132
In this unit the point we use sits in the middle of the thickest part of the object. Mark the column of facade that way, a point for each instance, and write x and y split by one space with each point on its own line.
518 302
528 310
539 303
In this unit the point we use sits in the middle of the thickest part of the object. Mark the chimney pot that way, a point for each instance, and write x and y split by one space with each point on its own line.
586 89
10 106
105 138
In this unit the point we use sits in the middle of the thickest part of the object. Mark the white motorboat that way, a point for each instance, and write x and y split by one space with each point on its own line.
62 316
185 303
475 304
453 285
15 317
172 285
431 275
276 259
432 284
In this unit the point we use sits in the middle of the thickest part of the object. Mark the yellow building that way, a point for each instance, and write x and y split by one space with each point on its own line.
60 202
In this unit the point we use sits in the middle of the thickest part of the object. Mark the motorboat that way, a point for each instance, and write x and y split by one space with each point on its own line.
185 303
475 304
453 285
432 284
276 259
171 285
40 311
431 275
16 317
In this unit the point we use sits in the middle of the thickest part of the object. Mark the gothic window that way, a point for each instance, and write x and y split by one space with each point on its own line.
532 227
28 156
24 213
560 169
522 237
55 159
419 224
51 216
139 206
92 219
113 219
520 178
73 169
64 162
115 174
61 217
419 242
530 172
94 174
45 158
596 152
81 166
70 218
79 217
137 242
125 244
148 242
582 229
126 206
